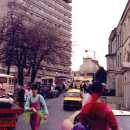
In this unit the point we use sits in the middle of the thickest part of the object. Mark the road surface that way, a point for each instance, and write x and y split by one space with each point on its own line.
56 116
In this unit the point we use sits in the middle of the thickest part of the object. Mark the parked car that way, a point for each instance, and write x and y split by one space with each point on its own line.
45 90
72 99
53 93
123 118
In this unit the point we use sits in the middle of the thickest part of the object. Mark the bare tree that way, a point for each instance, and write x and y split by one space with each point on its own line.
13 40
43 45
27 46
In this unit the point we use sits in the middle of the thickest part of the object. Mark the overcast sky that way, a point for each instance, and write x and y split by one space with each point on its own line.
92 22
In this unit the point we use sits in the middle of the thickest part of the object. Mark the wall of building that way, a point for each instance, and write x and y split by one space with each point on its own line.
3 8
118 58
56 13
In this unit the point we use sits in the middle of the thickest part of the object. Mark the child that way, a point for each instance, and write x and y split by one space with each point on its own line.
36 103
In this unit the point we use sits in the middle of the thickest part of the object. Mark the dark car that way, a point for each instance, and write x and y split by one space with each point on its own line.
45 90
53 93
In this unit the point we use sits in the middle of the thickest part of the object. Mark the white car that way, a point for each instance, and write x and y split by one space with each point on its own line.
123 118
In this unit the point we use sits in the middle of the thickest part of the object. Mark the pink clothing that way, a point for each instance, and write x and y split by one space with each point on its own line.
100 114
35 118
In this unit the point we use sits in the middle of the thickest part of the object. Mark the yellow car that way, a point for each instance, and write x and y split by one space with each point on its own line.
72 99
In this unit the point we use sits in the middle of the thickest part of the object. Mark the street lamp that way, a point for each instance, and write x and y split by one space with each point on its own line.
94 53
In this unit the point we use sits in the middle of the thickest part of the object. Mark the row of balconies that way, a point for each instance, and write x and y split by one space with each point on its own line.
58 7
65 68
51 11
53 74
49 16
13 69
52 4
52 69
42 15
68 1
64 4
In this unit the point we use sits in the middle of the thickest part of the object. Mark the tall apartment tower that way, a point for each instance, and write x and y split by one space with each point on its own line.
57 13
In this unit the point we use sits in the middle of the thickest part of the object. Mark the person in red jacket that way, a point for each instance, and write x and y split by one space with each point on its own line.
96 113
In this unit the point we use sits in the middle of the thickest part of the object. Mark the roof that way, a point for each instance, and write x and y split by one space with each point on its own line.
5 75
68 1
73 90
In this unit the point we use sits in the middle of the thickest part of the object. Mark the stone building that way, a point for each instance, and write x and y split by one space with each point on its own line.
89 67
86 70
118 58
56 13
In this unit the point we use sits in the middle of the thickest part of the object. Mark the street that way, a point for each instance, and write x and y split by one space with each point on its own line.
56 116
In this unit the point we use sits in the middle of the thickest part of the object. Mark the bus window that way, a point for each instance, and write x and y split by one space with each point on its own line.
6 82
3 80
10 81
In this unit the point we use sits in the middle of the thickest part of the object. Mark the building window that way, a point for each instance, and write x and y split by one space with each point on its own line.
120 59
116 62
128 56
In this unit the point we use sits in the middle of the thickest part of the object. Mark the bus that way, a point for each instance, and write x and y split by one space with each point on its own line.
6 84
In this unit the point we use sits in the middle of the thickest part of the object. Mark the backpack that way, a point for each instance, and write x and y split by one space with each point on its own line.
80 126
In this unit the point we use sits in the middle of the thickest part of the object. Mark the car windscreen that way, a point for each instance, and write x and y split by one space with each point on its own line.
72 94
124 121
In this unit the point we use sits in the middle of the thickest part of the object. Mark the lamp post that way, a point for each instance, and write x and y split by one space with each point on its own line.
94 53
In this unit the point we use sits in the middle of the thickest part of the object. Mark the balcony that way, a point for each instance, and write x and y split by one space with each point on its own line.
126 65
68 1
64 3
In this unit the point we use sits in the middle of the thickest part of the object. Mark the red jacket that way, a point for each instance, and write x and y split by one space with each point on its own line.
101 115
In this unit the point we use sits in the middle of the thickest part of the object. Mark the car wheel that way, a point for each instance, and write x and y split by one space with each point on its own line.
64 107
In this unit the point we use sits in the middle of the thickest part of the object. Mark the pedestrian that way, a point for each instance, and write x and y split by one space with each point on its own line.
95 113
20 97
28 92
101 75
36 105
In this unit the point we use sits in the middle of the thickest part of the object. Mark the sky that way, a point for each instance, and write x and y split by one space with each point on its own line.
92 22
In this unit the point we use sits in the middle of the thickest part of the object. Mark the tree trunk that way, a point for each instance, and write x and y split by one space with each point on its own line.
20 75
33 73
8 69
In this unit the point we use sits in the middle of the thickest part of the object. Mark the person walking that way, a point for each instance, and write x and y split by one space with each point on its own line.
20 97
36 104
101 75
95 113
28 92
